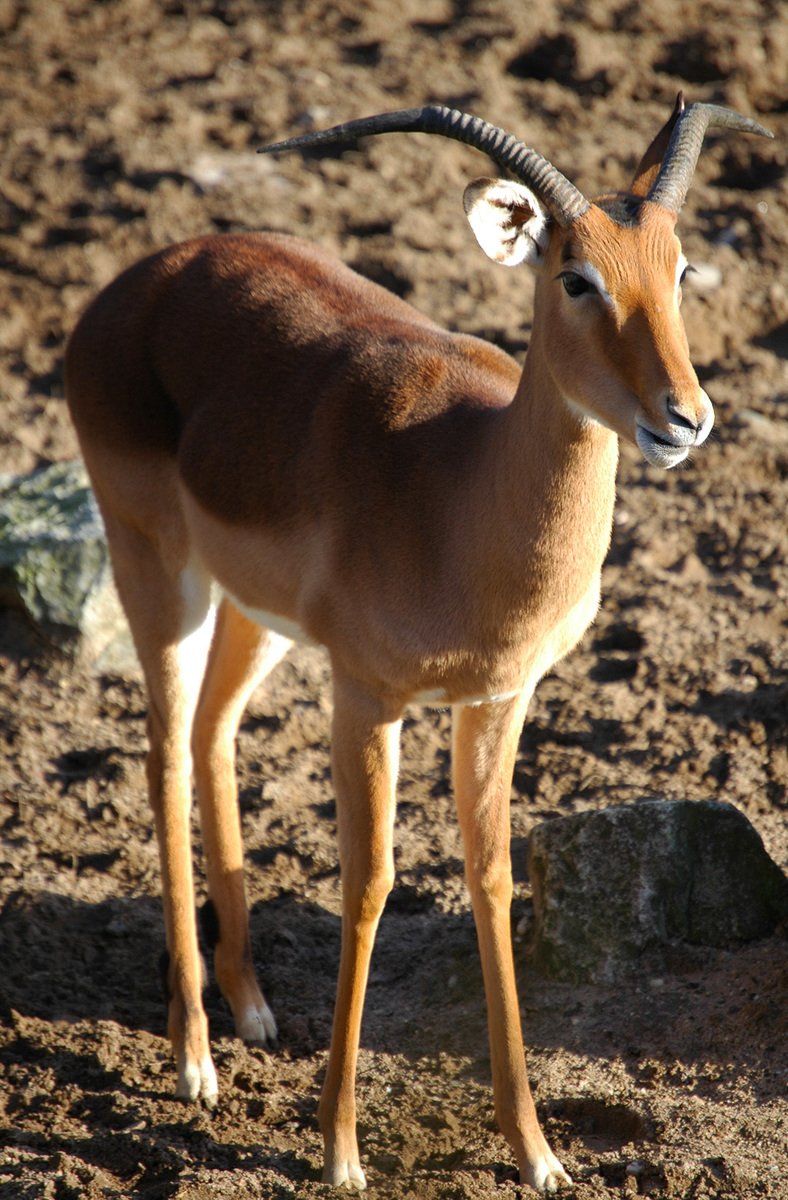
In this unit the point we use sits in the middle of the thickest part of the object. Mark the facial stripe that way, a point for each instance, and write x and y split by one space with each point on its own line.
594 277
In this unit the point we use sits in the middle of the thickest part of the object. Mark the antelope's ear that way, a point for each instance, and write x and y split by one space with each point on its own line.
509 222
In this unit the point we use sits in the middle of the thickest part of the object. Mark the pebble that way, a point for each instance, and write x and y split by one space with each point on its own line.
704 278
773 432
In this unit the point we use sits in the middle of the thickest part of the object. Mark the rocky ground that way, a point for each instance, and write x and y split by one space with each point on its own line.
126 125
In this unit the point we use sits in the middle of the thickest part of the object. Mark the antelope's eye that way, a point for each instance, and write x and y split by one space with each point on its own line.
576 285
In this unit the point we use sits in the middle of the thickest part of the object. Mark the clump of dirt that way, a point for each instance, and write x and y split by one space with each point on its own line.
126 126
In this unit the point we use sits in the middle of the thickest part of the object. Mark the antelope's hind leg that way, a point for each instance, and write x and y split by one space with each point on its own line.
241 656
167 601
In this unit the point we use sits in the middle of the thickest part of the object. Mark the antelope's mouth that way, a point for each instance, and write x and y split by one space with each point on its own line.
660 450
667 447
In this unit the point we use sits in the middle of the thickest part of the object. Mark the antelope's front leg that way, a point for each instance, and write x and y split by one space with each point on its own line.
484 745
365 752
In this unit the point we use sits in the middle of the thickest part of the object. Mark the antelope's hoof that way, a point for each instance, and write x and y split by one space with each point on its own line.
197 1081
346 1176
549 1176
257 1026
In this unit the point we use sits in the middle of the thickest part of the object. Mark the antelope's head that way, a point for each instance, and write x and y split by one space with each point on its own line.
607 325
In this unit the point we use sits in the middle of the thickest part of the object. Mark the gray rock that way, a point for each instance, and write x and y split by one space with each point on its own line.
612 886
54 565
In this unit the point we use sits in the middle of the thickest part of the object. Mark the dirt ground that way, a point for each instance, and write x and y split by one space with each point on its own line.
127 124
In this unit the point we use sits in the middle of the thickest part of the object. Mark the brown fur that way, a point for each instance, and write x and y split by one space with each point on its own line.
254 413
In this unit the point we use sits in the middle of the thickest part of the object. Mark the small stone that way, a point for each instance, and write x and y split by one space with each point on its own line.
611 886
704 278
773 432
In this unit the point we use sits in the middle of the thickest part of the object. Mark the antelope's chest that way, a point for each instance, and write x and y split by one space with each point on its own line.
565 632
497 666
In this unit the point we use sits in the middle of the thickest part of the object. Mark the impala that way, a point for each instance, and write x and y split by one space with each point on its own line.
283 450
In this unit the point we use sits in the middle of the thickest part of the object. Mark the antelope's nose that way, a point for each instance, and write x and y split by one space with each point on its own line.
690 422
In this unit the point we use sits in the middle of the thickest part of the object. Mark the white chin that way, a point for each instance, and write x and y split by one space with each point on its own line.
657 452
586 417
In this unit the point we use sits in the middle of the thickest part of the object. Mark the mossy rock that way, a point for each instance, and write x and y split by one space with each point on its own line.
613 886
54 564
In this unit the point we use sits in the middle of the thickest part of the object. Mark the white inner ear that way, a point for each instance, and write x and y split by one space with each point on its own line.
509 222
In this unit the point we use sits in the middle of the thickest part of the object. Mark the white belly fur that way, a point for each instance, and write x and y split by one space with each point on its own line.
274 621
563 638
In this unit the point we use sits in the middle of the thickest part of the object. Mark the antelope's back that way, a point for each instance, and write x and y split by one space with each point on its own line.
244 329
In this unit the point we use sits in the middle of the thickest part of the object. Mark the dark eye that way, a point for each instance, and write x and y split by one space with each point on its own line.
576 285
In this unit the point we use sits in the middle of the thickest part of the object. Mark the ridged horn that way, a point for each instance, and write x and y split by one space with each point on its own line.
649 166
675 175
560 197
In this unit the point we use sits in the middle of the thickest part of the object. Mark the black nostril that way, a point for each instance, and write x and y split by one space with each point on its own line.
680 418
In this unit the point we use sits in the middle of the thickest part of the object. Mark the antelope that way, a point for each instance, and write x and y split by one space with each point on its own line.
283 450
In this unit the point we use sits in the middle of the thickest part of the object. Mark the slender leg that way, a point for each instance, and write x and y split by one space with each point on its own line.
365 752
168 606
241 656
484 745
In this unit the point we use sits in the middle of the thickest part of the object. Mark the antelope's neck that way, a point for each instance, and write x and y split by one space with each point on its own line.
554 478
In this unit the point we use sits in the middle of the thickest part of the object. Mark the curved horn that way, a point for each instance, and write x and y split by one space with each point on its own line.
561 198
672 183
648 168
